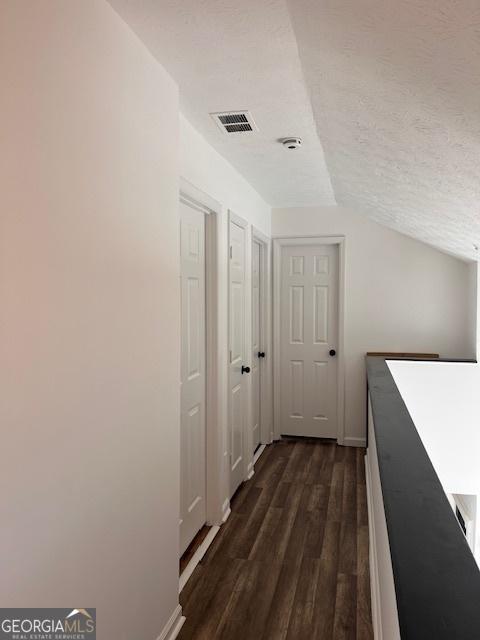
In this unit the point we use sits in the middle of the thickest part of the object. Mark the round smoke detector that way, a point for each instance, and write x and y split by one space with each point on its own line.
291 143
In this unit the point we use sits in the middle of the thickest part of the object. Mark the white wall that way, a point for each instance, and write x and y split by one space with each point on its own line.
209 172
382 585
89 328
437 396
473 308
401 295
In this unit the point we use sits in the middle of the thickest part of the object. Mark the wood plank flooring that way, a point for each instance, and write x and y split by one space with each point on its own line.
291 562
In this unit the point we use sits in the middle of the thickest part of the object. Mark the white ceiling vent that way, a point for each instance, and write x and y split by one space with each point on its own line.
235 121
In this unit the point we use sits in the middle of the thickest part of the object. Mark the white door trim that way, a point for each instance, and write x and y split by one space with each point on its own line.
278 243
266 404
195 198
200 200
237 219
247 453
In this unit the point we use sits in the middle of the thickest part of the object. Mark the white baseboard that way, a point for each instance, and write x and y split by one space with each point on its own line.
173 626
226 511
258 453
372 552
197 557
226 515
250 471
354 442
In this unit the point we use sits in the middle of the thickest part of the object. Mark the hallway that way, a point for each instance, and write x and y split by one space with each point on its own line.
291 562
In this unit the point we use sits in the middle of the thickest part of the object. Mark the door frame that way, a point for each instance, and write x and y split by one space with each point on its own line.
266 404
284 241
197 199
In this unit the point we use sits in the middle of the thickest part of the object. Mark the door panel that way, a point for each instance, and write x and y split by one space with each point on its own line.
194 338
297 389
320 391
320 309
256 342
309 329
192 426
296 315
237 421
237 381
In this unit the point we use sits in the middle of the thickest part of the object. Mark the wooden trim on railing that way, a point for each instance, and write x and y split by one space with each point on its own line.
391 354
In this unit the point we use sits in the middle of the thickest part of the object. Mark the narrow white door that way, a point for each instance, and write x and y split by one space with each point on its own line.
239 369
309 332
193 450
257 349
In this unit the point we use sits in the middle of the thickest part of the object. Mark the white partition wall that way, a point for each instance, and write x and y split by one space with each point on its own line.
384 603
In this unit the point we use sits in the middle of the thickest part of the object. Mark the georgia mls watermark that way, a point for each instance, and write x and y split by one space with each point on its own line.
48 624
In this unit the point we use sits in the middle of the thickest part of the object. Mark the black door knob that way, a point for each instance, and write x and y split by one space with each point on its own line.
261 354
332 352
245 369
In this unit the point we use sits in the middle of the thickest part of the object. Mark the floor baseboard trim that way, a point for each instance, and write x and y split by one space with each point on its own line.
226 514
173 626
197 557
250 471
225 511
354 442
374 588
258 453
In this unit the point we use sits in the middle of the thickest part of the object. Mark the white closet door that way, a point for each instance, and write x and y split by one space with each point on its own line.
256 343
237 376
309 333
193 449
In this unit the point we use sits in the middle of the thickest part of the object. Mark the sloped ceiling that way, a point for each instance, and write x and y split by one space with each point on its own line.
385 93
395 89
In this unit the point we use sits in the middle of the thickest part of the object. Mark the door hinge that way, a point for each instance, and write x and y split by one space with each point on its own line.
231 252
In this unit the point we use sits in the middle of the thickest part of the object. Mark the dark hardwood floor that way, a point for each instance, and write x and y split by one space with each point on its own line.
291 562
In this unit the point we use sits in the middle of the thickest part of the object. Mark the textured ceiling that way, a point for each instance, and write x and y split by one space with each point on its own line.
391 87
227 55
395 89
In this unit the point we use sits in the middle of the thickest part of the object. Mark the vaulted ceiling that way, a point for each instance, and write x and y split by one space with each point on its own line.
385 94
395 89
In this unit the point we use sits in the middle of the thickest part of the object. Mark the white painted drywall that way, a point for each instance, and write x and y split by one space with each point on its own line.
475 280
401 295
443 401
473 316
209 172
384 600
89 329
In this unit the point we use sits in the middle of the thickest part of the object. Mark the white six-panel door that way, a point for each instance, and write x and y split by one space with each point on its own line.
237 380
308 332
193 450
256 342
